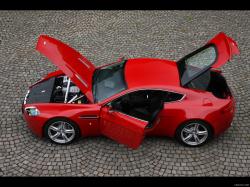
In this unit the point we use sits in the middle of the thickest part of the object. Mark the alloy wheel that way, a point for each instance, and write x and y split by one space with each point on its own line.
194 134
61 132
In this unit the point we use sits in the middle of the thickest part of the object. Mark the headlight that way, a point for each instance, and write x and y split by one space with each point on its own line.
32 111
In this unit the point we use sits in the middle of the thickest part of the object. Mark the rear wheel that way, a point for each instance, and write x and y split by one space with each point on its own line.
194 133
61 131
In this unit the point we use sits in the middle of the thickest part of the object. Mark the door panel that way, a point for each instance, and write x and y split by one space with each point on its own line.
122 128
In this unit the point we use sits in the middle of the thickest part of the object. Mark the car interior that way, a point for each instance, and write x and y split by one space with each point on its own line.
144 104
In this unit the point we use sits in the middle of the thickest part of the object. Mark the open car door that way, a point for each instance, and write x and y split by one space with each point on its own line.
79 69
122 128
218 51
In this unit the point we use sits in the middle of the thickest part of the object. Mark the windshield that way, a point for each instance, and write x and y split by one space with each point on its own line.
196 63
108 81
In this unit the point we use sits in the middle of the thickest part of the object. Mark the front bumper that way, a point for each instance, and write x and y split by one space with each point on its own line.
33 122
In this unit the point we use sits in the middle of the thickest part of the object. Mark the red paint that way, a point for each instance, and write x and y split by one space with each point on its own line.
122 128
148 71
71 62
226 47
140 73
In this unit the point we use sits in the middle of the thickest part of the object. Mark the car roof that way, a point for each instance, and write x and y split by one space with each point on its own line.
153 72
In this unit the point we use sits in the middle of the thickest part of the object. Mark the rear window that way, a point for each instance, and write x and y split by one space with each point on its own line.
196 63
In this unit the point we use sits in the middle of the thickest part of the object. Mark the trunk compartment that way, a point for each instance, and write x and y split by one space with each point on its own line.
218 86
213 82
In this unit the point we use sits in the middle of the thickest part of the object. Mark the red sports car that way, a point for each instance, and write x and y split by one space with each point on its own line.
131 98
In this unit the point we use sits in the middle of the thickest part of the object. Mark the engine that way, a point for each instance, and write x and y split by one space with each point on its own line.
66 91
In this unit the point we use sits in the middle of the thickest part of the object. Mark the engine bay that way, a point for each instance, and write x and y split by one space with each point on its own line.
65 91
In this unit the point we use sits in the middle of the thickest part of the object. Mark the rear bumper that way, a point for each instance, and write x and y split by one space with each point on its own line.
225 120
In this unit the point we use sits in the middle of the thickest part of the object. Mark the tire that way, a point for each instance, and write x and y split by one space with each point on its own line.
187 134
61 131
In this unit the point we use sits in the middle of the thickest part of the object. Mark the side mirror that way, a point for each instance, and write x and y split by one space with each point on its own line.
115 105
110 108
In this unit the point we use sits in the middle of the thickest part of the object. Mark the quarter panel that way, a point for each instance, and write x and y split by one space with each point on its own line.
191 108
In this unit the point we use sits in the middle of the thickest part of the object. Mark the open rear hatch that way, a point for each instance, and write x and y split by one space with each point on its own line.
218 51
194 68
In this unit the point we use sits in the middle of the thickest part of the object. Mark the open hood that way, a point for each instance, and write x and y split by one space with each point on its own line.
79 69
218 51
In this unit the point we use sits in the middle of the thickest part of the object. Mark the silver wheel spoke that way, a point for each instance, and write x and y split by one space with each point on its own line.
69 131
201 132
55 136
62 125
187 130
188 137
65 137
197 140
196 126
54 128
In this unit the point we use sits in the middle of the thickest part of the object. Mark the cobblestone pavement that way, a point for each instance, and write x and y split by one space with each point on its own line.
103 37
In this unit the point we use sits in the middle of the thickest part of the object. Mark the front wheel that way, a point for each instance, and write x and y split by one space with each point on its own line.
61 131
194 133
